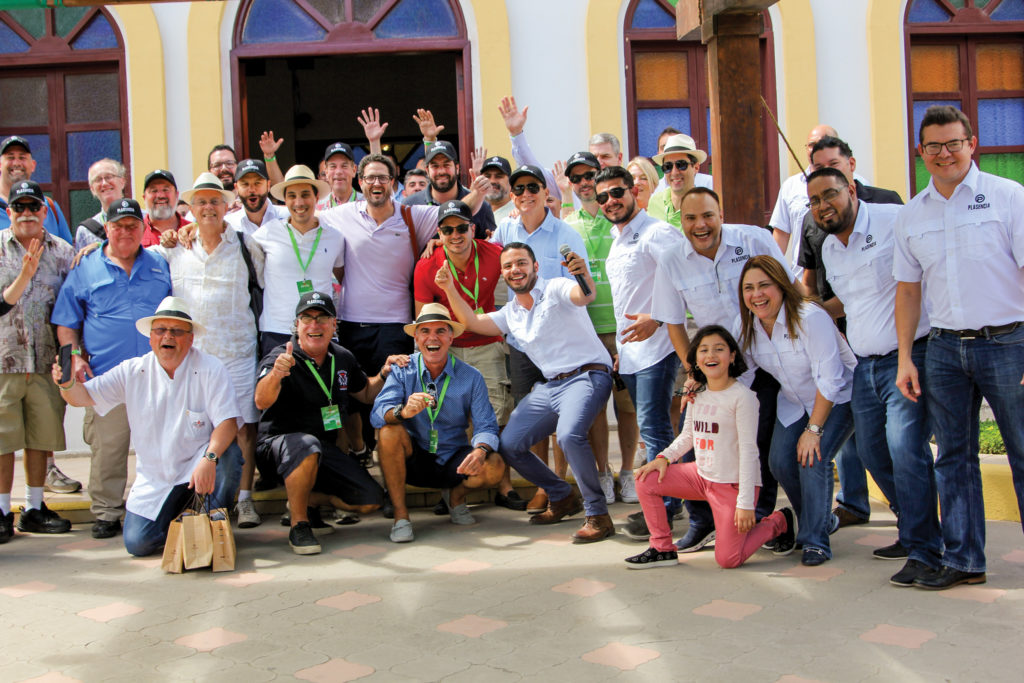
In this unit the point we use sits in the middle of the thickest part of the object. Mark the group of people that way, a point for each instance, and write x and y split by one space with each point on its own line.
536 295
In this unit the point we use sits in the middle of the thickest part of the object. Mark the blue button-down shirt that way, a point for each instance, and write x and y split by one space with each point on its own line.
103 301
545 241
465 399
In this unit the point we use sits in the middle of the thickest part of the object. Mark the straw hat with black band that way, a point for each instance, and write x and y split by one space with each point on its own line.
299 175
171 308
434 313
208 181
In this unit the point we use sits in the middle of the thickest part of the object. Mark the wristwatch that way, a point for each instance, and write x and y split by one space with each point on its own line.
397 412
211 456
814 429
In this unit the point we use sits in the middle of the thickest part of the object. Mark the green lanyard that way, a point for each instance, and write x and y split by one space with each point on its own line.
432 414
476 284
316 376
312 252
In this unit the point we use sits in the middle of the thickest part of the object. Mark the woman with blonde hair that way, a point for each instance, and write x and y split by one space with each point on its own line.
645 178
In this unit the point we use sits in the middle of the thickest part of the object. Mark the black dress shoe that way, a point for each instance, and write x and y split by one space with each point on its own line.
896 551
42 520
513 501
947 577
911 570
105 528
813 557
441 508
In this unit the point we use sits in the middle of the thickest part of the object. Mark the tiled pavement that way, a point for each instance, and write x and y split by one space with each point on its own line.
498 601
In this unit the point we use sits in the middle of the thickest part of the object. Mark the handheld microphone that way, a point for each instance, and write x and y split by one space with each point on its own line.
565 250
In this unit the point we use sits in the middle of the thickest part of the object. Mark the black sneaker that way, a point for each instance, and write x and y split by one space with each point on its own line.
42 521
316 521
695 539
364 457
302 540
891 552
387 510
513 501
6 527
651 558
106 528
636 527
911 570
785 542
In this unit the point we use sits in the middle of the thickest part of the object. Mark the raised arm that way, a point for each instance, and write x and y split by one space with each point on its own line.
474 322
369 119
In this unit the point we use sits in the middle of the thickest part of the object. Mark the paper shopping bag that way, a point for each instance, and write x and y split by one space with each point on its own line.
196 536
223 541
172 561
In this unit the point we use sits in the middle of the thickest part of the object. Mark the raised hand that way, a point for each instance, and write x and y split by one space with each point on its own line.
476 160
425 120
268 145
369 119
515 120
285 361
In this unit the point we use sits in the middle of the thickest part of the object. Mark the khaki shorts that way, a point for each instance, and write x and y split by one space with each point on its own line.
31 413
489 359
623 403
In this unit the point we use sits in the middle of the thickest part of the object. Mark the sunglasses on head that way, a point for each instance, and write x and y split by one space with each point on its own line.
616 192
532 188
22 207
577 177
682 165
461 228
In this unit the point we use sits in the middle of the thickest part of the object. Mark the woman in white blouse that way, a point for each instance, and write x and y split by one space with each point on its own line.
795 340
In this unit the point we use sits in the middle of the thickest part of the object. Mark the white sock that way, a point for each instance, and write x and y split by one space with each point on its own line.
49 461
33 497
244 495
5 503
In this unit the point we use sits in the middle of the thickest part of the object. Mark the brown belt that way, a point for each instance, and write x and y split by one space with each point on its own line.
986 332
583 368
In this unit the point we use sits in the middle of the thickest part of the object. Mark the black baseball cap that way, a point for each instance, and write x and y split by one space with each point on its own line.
585 158
247 166
454 208
14 140
316 300
26 189
530 170
500 163
442 147
126 208
338 148
159 174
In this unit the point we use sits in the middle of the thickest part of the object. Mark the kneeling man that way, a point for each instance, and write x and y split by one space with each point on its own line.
423 413
183 415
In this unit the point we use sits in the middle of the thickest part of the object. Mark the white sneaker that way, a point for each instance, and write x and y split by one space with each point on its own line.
401 532
247 515
627 487
607 480
58 482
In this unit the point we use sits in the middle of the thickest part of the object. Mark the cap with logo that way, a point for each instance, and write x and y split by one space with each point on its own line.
454 208
530 170
14 140
442 147
26 189
585 158
159 174
247 166
126 208
500 163
338 148
316 300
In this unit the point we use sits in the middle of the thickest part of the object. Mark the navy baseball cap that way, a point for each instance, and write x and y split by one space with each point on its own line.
316 300
26 189
338 148
585 158
442 147
159 174
530 170
454 208
500 163
247 166
14 140
126 208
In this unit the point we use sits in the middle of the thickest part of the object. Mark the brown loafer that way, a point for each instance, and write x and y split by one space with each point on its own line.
537 504
596 528
558 510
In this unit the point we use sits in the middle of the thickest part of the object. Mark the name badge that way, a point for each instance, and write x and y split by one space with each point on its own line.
433 441
304 286
595 269
331 417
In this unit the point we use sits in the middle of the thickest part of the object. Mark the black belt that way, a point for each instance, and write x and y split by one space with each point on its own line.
877 356
987 332
583 368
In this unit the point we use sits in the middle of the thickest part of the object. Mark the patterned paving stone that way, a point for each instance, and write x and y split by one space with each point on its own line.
621 656
1014 556
210 640
975 593
52 677
824 572
334 671
114 610
24 589
349 600
243 579
724 609
887 634
876 540
472 626
462 566
586 588
87 544
360 550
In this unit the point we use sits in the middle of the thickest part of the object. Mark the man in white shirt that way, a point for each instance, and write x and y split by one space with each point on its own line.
252 184
497 171
892 431
190 448
548 320
960 246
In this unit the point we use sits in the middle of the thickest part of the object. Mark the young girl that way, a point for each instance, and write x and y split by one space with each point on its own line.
721 428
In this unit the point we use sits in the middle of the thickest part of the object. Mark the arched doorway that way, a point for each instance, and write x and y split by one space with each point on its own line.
305 69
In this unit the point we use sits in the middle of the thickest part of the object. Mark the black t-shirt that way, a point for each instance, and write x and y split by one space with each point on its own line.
483 219
297 408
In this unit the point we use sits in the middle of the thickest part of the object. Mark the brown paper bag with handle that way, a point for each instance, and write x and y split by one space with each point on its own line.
173 562
196 535
223 541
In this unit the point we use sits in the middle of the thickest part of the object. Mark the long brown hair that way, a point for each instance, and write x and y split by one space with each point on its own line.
791 298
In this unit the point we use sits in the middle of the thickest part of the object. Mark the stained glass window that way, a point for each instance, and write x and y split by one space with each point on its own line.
1009 10
418 19
272 21
651 14
650 123
96 35
927 11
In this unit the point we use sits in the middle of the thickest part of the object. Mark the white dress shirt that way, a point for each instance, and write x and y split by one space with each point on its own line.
968 251
860 274
819 359
791 207
555 333
630 266
708 289
171 419
239 220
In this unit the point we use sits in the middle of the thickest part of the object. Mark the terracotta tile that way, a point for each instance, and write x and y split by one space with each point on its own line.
271 535
360 550
586 588
334 671
114 610
974 593
462 566
555 539
876 540
52 677
244 579
822 572
472 626
148 562
887 634
87 544
1014 556
211 640
724 609
348 600
621 656
790 678
22 589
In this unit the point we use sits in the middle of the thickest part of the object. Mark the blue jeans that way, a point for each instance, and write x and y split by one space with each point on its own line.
146 536
853 480
568 408
810 488
892 440
960 372
651 391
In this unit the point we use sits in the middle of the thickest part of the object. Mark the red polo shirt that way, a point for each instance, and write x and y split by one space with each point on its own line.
150 235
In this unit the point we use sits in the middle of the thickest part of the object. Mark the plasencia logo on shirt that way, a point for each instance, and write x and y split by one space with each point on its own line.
979 203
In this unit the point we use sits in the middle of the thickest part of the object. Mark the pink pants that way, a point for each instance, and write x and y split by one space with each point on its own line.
684 481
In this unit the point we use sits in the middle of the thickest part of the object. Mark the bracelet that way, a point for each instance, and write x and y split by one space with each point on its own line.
76 352
269 159
68 387
567 206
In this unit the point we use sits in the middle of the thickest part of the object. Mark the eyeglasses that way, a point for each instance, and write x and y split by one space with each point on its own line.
175 332
307 319
22 207
224 164
376 179
616 192
532 188
105 178
200 203
462 229
952 145
577 177
682 165
826 196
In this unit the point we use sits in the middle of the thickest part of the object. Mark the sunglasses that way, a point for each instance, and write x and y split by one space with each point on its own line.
22 207
682 165
175 332
461 228
532 188
615 192
576 178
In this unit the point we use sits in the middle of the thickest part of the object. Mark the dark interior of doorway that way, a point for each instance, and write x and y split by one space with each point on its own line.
314 101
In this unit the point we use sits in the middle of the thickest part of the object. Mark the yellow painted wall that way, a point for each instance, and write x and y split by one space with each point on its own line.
204 83
888 95
495 69
146 93
800 74
604 36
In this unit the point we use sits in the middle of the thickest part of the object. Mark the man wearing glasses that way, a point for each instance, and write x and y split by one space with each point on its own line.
679 162
96 310
960 247
17 164
106 183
